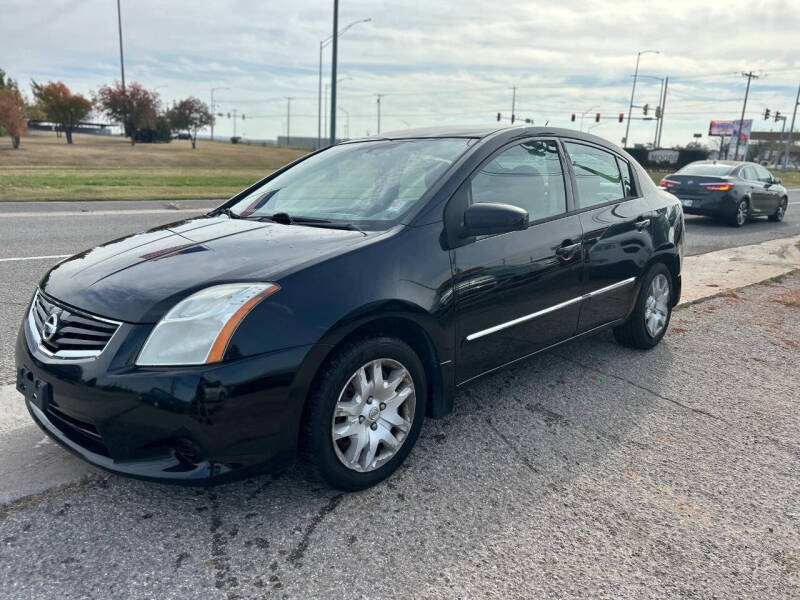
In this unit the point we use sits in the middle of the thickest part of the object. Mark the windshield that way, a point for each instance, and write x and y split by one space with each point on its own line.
367 184
706 169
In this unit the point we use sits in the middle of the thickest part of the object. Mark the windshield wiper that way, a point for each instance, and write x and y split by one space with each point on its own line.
287 219
226 211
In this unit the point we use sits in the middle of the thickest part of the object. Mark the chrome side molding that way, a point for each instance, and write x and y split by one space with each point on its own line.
549 309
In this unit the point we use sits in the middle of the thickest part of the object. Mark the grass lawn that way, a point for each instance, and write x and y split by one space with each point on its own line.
109 168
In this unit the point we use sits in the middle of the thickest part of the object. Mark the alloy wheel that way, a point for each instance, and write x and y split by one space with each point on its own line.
373 415
656 307
741 213
781 210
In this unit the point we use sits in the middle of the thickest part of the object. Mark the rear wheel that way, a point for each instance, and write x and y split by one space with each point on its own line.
741 215
366 412
780 211
650 317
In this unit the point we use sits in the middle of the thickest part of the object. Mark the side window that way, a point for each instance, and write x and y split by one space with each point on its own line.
596 173
627 178
763 174
527 175
749 173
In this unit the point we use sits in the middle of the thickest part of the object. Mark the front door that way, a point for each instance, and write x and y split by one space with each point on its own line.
517 292
617 224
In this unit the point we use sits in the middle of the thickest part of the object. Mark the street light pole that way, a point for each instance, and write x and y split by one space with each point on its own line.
334 58
379 96
288 120
791 130
121 59
320 102
584 113
633 92
213 108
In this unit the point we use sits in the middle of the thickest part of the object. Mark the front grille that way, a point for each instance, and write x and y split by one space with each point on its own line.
66 332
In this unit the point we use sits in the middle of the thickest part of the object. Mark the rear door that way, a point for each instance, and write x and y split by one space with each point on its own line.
771 193
759 195
617 223
517 292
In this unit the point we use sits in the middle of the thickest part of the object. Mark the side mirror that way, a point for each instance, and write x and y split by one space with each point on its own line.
489 218
776 180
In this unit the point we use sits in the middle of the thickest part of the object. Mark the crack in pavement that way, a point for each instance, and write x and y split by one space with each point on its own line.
296 555
699 411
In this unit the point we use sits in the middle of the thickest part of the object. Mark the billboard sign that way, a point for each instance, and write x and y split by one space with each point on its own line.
722 128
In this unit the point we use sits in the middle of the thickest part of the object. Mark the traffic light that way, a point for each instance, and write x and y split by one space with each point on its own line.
596 117
777 116
646 108
766 114
512 119
621 117
498 117
242 116
573 117
658 112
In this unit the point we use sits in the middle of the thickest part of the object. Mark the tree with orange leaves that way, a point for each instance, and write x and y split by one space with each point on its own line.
12 114
61 106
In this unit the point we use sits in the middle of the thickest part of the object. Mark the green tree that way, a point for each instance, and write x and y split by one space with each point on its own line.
60 105
190 114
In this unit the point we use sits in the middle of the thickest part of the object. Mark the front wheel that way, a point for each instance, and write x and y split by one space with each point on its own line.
650 317
365 413
777 216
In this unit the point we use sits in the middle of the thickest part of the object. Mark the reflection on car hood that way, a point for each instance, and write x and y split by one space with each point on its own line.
140 277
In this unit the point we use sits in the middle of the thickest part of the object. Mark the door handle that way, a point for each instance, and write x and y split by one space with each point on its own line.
567 250
642 223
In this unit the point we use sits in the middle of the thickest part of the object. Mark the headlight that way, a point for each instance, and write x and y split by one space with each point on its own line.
197 329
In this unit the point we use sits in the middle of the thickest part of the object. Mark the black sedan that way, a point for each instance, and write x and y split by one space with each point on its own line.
335 304
734 191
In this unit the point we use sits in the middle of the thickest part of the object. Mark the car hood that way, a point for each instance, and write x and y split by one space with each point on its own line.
140 277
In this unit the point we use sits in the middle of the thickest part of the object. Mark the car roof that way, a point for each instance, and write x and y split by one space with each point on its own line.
472 131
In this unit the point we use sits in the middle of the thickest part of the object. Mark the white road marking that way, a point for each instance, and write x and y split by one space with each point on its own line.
17 258
102 213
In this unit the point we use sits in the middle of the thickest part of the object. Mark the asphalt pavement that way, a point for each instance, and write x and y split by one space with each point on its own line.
591 471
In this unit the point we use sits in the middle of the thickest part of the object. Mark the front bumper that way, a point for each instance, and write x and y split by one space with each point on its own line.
182 424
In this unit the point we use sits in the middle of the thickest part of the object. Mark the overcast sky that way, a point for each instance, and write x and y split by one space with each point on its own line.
435 61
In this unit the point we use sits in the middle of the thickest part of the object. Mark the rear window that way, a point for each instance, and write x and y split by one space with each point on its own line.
706 169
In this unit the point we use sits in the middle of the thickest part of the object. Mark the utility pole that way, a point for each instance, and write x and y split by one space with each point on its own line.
633 92
791 130
288 120
379 96
513 102
749 76
334 59
663 105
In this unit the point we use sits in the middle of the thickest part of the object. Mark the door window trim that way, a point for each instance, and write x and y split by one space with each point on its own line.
574 181
460 192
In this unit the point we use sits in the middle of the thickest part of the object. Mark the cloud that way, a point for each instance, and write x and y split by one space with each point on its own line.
435 62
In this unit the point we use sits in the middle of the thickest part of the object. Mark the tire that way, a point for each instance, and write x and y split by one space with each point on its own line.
634 333
741 214
777 216
361 457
